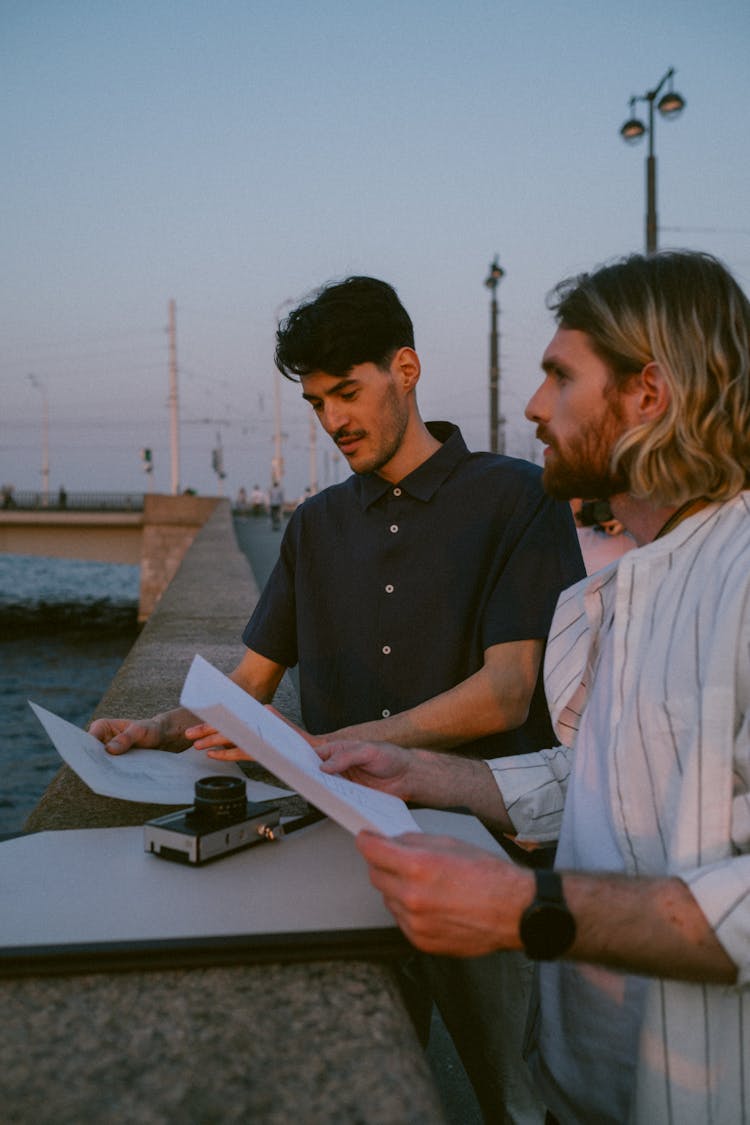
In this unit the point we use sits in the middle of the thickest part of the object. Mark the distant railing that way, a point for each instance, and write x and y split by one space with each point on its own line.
71 501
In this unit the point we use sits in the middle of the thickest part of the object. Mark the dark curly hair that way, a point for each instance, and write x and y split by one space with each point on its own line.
358 320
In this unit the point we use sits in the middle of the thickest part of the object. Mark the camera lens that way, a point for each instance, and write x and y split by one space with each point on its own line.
220 798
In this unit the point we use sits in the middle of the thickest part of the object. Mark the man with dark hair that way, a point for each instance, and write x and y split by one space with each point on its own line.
415 597
643 929
426 549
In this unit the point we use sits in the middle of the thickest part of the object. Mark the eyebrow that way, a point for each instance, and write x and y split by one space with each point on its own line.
551 365
335 389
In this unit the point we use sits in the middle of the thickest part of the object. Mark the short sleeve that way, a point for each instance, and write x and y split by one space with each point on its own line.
272 629
544 559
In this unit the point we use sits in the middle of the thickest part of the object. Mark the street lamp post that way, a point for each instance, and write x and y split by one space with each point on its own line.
671 104
497 422
37 383
174 407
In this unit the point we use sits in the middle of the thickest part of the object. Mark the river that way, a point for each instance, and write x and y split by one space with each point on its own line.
65 628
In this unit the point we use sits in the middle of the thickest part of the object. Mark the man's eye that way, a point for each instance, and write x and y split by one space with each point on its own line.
348 395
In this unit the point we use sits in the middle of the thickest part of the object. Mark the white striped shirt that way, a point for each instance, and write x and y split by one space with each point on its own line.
678 760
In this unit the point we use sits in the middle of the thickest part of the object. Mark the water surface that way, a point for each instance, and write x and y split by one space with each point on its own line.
65 628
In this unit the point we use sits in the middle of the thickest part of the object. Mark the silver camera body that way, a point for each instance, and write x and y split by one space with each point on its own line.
221 821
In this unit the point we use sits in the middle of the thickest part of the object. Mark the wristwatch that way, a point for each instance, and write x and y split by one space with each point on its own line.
547 928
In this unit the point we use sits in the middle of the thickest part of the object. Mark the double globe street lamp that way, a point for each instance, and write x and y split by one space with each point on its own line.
670 105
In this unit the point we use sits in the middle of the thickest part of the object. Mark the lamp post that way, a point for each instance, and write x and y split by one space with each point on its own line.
277 461
174 407
671 104
497 422
37 383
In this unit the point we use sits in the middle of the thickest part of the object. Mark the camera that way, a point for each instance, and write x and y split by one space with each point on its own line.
221 821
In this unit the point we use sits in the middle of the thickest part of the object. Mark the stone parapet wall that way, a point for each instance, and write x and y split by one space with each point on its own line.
323 1042
170 524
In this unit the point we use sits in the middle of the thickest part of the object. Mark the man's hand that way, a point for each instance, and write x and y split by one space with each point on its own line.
378 765
205 737
437 780
175 730
448 897
121 735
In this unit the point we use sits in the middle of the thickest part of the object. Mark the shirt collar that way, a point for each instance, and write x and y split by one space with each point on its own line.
427 478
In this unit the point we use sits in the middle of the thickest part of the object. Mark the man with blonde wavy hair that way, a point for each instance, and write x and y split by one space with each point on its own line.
642 931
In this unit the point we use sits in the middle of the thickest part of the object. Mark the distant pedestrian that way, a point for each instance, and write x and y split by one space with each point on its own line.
62 497
276 501
257 501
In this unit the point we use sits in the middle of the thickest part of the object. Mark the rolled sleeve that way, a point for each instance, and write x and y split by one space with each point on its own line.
722 891
533 788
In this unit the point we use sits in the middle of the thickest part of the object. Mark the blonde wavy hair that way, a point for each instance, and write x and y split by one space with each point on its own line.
685 312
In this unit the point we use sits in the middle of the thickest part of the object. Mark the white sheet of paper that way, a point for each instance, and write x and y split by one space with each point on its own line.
151 776
221 702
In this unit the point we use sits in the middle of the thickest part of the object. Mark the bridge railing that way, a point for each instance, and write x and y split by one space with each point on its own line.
30 501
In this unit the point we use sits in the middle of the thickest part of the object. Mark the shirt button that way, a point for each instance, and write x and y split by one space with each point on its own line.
394 528
385 713
386 650
389 589
397 492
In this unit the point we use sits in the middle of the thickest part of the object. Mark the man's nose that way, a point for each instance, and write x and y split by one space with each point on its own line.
333 416
535 407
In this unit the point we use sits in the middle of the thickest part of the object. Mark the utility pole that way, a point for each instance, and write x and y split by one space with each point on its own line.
277 461
37 383
174 418
217 462
497 422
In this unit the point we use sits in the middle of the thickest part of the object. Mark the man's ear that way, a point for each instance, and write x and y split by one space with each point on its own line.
651 392
406 368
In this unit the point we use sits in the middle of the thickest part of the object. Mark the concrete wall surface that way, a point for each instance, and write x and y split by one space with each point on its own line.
321 1042
170 524
92 536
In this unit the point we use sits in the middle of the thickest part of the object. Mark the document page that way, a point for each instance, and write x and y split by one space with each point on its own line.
255 729
152 776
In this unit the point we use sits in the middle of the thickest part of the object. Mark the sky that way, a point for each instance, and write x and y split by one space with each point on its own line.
232 156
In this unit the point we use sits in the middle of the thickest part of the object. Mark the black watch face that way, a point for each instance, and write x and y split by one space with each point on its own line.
547 930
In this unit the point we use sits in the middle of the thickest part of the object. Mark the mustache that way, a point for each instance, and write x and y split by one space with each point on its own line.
342 434
544 435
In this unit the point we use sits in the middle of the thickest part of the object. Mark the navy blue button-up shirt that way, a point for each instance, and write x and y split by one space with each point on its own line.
387 595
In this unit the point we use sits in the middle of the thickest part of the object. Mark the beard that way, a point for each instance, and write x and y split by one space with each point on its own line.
584 468
386 440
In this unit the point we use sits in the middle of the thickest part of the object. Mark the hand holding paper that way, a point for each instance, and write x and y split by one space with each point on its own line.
150 776
283 751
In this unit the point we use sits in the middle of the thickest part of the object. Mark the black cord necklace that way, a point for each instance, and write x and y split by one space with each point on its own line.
689 508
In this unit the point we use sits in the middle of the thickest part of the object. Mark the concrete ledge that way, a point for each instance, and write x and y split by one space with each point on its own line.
324 1042
170 524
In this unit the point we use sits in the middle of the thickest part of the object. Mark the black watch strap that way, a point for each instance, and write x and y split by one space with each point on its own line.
549 887
547 927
